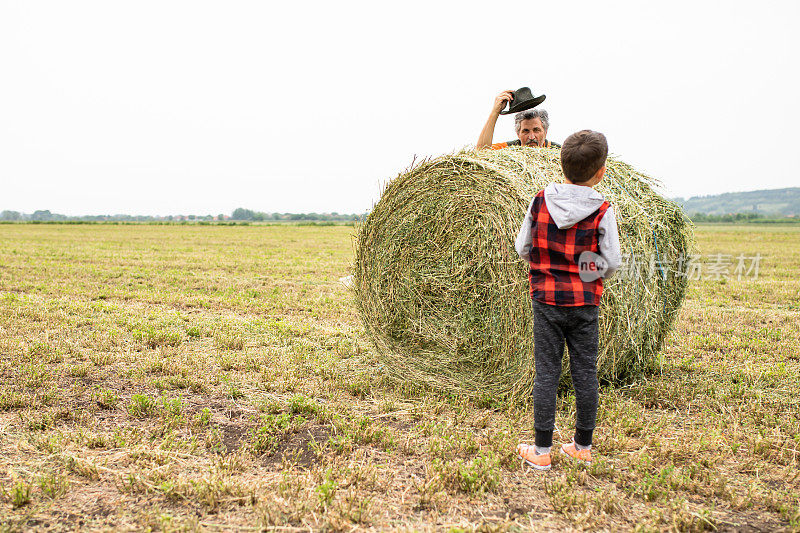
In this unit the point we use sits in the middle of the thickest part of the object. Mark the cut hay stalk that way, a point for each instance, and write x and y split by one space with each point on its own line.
444 296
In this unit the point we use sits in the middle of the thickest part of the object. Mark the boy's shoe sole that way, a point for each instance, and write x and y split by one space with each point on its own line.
522 448
583 457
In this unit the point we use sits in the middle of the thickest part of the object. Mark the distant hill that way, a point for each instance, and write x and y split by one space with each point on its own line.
769 202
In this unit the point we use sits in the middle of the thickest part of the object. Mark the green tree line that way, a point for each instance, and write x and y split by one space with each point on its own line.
239 214
257 216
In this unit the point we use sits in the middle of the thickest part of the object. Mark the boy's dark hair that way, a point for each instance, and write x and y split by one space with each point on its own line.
583 153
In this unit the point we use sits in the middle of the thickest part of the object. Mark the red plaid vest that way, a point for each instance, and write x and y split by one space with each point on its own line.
554 275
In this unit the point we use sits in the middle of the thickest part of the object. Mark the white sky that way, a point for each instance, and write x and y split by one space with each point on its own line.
167 107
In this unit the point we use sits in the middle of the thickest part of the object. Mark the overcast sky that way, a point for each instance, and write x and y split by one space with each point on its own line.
169 107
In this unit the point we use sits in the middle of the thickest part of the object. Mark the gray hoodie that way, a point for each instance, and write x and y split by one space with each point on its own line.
568 204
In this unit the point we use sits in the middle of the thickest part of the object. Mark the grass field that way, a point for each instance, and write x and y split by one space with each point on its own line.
217 378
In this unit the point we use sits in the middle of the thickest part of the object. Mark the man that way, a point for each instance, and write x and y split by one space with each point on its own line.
531 126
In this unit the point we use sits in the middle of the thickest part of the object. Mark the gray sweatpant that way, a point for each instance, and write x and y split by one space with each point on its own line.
552 325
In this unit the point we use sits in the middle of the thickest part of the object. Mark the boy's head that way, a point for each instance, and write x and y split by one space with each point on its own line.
583 157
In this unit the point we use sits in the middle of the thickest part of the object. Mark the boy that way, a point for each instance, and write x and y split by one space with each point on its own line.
569 238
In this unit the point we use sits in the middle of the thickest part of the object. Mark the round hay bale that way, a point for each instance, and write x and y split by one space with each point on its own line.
444 296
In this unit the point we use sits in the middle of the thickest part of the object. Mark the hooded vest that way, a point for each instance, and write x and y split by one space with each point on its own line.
554 274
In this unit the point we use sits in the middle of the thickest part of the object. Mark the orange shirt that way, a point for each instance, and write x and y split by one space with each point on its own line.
498 146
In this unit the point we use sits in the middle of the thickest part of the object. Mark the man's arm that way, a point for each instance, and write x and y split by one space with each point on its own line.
487 133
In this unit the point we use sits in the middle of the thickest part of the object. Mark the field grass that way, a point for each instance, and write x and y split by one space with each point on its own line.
217 378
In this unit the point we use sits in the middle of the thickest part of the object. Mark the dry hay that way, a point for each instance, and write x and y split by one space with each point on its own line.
444 296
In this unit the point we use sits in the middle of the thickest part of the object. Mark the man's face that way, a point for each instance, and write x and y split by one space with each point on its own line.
531 132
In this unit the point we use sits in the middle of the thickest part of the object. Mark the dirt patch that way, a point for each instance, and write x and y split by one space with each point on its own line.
101 509
233 436
296 447
751 522
509 512
401 425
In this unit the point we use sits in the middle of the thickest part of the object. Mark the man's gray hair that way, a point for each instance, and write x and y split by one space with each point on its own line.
541 114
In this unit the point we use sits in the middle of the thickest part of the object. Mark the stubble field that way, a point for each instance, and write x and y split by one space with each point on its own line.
217 378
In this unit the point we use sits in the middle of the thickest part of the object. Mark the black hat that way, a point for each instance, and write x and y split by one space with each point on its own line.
522 100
